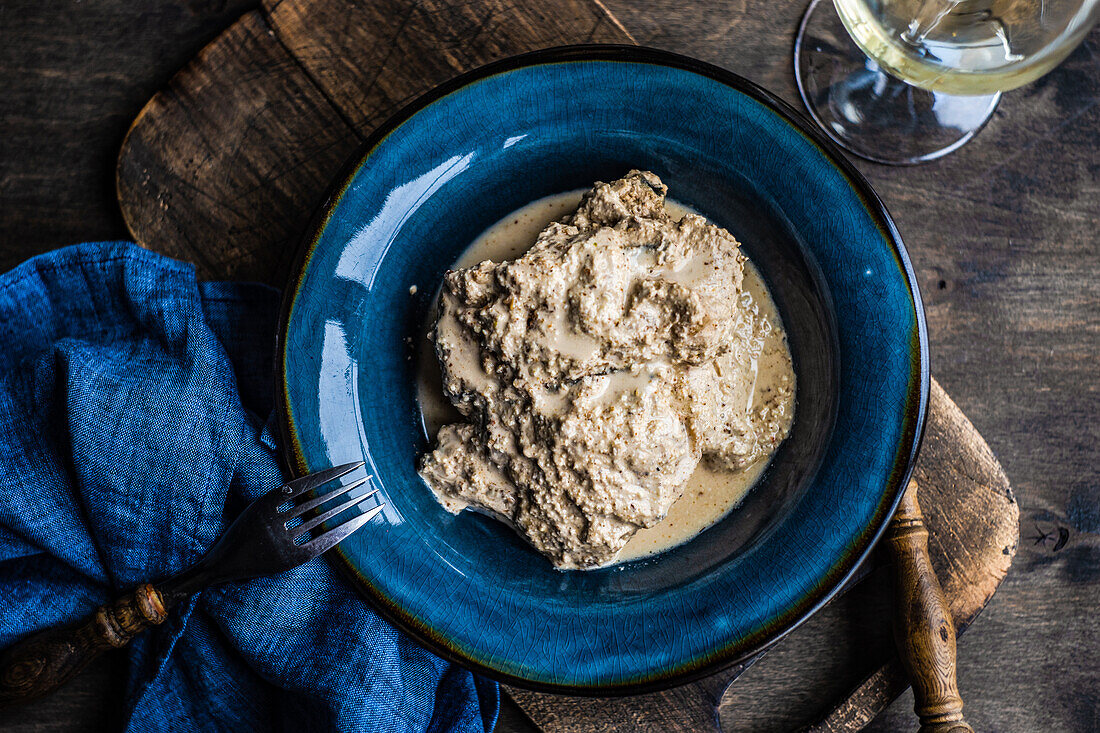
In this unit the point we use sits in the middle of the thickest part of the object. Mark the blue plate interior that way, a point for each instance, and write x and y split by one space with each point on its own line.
492 142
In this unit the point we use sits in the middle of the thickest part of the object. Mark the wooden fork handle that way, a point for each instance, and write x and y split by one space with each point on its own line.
44 661
923 630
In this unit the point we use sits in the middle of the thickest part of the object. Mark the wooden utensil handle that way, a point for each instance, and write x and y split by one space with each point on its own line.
923 628
44 661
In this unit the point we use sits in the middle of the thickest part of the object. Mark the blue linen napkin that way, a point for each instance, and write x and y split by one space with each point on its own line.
134 411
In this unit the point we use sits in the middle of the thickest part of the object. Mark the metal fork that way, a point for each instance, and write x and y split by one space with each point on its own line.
270 536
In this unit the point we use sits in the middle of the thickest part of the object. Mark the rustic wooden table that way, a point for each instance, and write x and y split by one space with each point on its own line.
1002 233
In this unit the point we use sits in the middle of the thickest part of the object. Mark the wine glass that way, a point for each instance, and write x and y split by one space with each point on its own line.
908 81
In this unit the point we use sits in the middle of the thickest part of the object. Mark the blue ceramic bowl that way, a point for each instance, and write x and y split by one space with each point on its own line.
458 159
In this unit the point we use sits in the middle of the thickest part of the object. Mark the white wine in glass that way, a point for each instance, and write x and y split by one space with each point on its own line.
923 76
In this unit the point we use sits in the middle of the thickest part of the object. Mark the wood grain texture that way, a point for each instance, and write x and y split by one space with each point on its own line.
238 150
862 704
74 76
38 665
364 61
972 517
1002 235
924 632
371 58
241 145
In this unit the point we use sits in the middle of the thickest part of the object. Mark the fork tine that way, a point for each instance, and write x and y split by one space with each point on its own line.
305 506
306 526
301 485
334 536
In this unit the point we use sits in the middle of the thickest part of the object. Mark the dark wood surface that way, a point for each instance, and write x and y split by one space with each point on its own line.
972 520
240 147
1002 234
41 663
223 165
924 630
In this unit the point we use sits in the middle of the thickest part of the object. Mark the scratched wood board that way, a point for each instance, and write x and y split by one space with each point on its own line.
973 523
224 167
226 164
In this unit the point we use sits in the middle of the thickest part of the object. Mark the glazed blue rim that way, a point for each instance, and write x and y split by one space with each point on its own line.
916 405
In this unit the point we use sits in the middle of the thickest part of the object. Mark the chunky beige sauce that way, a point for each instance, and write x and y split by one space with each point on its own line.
710 492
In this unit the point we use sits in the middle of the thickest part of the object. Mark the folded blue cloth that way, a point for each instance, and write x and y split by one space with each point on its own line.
134 411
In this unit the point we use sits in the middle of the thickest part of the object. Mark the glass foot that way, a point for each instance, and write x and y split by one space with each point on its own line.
870 113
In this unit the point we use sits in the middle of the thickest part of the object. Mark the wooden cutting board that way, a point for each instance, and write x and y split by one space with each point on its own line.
224 167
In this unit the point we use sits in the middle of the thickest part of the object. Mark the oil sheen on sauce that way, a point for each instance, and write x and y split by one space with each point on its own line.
710 494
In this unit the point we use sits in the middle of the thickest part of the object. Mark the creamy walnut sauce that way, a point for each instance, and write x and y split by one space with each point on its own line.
614 373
